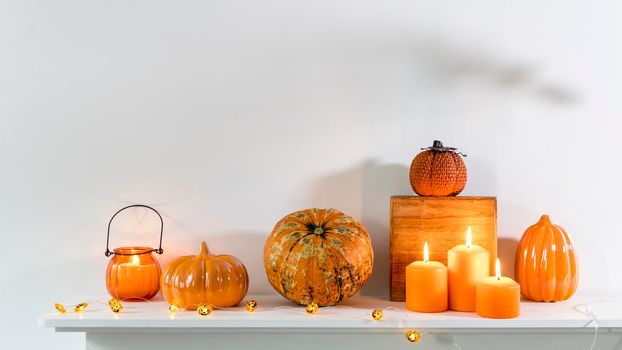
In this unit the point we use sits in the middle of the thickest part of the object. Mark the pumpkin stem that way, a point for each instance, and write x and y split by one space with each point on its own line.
544 220
438 147
204 251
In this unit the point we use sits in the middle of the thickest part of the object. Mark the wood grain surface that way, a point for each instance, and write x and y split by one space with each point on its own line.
442 222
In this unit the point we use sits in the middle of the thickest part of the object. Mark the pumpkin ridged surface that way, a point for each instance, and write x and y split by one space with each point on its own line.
438 173
219 280
546 263
318 255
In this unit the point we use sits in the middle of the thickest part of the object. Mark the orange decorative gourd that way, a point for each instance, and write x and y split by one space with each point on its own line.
546 263
204 279
438 171
318 256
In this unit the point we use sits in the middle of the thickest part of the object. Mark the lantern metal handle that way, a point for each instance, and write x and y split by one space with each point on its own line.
159 250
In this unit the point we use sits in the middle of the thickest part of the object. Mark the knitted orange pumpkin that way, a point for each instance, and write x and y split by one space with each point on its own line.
318 255
438 171
546 264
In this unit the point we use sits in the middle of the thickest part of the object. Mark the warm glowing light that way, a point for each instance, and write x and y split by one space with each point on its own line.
469 237
251 305
426 252
312 308
205 309
115 305
498 269
376 315
80 307
413 336
173 308
135 260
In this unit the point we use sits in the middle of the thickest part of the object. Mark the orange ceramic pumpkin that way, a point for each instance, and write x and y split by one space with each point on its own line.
546 263
318 255
438 171
193 280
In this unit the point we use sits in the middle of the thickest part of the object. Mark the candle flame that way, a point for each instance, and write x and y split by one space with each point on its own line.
135 260
426 252
498 269
469 237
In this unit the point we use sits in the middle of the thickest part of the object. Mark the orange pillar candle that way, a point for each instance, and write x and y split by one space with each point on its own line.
498 297
468 266
426 285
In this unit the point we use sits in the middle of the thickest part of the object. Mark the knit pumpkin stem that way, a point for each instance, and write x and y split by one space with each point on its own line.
438 146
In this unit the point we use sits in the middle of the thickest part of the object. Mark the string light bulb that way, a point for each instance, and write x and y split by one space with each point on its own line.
251 305
80 307
60 308
205 309
376 314
115 305
311 308
173 308
413 336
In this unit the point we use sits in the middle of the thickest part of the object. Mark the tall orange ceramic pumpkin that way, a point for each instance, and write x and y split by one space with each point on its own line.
318 255
438 171
219 280
546 263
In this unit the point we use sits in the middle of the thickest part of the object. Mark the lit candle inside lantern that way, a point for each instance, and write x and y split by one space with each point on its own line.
498 296
426 284
468 266
137 276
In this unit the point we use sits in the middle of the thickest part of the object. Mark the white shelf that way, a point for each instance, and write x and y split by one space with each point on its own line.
276 314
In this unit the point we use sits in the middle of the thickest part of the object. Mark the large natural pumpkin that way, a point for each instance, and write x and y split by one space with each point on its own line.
189 281
546 263
438 171
318 255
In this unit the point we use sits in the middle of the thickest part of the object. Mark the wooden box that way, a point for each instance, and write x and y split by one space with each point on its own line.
442 221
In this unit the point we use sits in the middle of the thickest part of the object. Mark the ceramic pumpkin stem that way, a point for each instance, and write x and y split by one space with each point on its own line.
204 252
544 220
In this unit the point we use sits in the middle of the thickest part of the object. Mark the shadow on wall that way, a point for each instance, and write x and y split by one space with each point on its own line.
380 182
506 251
366 189
451 64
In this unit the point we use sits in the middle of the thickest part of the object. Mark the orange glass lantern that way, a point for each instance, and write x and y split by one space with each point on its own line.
133 273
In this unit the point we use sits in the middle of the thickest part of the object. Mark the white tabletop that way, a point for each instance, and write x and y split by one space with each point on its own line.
275 313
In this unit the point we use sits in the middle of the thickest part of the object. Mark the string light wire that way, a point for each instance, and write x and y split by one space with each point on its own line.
593 319
81 307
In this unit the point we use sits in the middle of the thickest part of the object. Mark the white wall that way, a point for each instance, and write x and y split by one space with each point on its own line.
228 115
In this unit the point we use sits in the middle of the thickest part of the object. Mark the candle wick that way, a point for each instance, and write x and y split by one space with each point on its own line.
498 278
